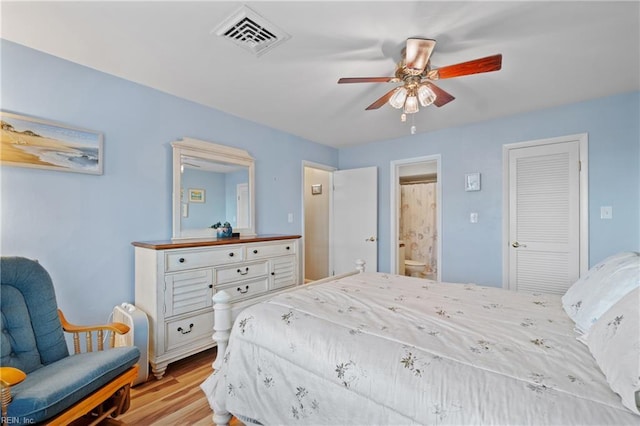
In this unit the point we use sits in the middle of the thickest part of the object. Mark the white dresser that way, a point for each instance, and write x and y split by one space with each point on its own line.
176 280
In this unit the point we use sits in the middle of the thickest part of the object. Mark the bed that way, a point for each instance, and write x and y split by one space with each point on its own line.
382 349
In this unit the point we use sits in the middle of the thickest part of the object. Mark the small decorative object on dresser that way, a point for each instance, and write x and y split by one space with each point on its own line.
223 230
175 282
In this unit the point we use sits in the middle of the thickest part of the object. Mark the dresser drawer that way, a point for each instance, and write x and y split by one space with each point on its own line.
181 332
280 248
181 260
246 289
241 272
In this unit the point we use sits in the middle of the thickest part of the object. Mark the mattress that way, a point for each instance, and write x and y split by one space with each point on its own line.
376 348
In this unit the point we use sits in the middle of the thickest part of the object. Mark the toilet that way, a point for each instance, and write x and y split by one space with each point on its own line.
414 268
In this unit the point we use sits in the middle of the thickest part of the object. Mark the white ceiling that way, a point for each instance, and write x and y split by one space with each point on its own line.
554 53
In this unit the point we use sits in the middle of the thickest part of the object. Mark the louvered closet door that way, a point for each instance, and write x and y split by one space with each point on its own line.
544 217
187 292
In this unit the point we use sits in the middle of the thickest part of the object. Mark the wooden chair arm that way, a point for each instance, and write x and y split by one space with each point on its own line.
10 376
116 327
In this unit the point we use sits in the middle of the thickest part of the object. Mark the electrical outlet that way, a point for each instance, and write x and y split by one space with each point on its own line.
473 217
606 212
290 217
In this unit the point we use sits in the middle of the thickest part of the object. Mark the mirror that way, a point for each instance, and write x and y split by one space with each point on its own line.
211 183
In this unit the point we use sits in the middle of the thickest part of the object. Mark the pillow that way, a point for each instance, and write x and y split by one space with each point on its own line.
595 292
614 342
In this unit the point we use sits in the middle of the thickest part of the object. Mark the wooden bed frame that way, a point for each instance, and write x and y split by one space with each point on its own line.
224 315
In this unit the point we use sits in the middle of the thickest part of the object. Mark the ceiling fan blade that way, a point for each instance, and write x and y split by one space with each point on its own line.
442 97
367 80
417 54
381 101
488 64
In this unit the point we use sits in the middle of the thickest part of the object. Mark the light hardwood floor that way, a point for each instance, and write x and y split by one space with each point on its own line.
176 399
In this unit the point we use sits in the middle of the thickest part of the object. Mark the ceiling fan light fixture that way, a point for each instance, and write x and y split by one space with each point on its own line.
397 99
418 79
426 95
411 104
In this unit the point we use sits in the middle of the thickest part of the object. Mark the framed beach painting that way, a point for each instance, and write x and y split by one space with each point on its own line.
31 142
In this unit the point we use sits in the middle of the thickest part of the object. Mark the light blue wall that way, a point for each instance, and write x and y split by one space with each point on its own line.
81 226
473 252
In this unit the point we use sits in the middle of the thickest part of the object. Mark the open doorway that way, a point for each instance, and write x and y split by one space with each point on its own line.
316 190
340 213
416 219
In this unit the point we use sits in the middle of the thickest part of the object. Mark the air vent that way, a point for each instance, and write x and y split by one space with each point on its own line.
251 31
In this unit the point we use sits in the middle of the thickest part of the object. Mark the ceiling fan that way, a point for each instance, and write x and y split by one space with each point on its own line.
417 77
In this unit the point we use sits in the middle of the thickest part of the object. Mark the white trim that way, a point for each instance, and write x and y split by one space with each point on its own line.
330 169
394 203
583 140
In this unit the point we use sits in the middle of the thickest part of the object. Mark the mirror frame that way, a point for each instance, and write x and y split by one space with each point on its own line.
214 152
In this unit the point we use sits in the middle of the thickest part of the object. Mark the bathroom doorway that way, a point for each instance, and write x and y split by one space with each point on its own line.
416 218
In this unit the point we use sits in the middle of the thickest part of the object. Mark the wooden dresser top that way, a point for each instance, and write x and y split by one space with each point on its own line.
200 242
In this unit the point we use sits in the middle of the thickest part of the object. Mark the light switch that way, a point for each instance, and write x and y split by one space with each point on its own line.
473 217
290 217
606 212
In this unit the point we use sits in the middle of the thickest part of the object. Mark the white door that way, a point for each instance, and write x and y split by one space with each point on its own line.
544 216
355 219
242 205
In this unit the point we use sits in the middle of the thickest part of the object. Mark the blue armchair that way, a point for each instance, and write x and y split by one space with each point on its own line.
41 382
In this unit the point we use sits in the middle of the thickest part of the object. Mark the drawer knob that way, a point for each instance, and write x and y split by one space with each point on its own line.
288 247
255 251
246 271
273 273
183 331
210 285
246 289
181 260
231 254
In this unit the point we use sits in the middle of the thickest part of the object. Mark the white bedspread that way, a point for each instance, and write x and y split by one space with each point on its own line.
378 349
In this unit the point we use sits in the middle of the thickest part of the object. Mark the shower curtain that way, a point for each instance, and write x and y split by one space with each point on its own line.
418 227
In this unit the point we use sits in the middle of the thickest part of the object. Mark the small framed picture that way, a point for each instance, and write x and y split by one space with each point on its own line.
196 195
316 189
472 182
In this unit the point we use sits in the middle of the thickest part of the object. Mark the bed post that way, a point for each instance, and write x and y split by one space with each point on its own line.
221 417
222 324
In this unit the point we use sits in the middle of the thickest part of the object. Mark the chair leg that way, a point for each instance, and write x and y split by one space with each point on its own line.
6 399
122 400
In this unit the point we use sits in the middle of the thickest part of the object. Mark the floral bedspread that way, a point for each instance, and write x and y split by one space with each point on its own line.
380 349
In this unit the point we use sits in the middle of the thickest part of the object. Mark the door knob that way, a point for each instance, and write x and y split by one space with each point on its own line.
371 239
517 244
